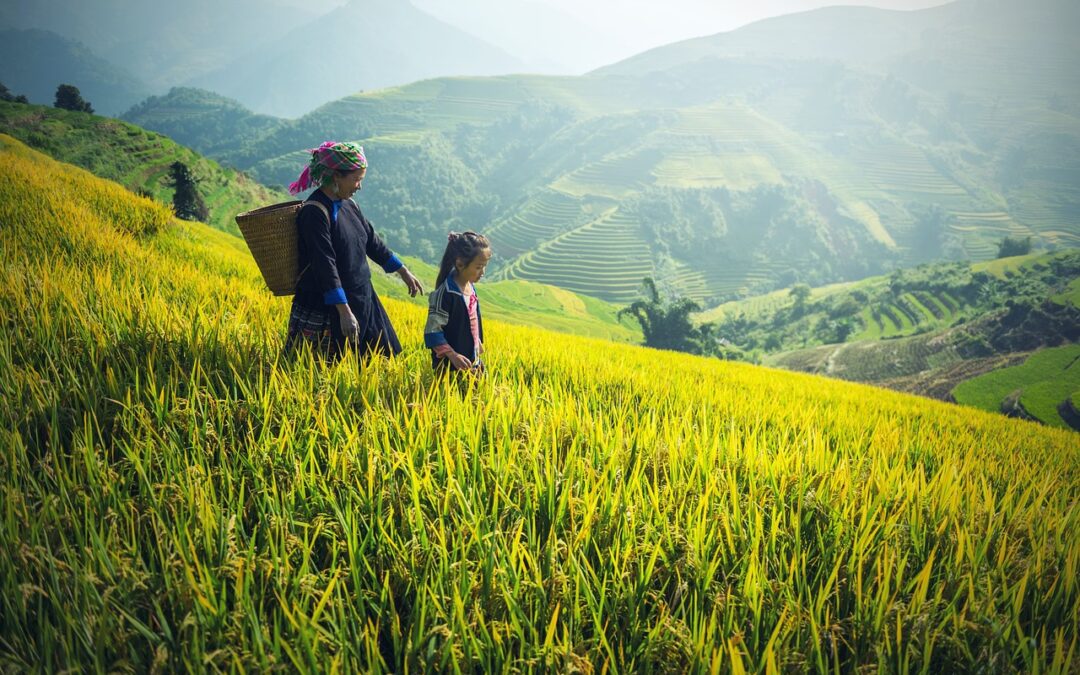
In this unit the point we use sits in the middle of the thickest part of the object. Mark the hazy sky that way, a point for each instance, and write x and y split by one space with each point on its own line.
663 22
609 30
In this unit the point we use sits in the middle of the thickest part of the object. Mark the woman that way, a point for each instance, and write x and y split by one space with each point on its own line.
335 304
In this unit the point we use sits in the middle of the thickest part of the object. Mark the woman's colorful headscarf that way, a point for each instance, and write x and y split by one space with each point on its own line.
326 158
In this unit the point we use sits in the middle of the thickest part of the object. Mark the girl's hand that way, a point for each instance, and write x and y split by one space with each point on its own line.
460 362
410 281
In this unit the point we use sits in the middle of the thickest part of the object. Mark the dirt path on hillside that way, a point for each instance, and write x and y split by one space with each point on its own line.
830 362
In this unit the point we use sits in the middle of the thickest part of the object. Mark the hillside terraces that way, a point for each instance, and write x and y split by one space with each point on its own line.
916 310
543 216
614 177
980 233
606 258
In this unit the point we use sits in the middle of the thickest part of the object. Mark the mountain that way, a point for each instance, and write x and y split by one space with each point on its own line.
726 176
365 44
173 487
162 43
985 48
202 119
36 62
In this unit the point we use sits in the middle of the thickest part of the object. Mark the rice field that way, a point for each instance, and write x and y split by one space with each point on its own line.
176 497
544 216
606 258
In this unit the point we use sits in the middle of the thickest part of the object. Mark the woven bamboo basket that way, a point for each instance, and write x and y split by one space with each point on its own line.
270 233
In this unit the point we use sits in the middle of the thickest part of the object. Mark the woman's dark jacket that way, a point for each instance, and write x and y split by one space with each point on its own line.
333 255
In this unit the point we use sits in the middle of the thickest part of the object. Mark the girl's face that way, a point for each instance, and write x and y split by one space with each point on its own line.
473 270
346 186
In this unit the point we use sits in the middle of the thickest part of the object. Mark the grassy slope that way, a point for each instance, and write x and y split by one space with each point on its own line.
133 157
1045 380
174 492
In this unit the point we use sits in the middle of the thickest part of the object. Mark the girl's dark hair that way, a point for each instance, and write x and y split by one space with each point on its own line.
463 245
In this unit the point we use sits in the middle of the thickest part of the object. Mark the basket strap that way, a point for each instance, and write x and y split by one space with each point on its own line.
325 213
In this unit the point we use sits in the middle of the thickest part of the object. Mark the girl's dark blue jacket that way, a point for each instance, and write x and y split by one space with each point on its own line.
448 322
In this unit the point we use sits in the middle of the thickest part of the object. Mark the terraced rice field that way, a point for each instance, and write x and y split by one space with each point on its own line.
1051 209
702 168
872 360
177 498
428 105
607 258
909 312
980 232
689 283
544 216
897 167
614 177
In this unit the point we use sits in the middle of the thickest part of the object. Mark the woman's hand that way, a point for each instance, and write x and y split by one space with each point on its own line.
411 281
460 362
350 327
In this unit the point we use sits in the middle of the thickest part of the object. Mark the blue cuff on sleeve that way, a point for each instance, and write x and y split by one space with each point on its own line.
393 264
334 297
433 340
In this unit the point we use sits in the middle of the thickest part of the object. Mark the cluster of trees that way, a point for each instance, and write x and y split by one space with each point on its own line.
68 97
666 323
6 95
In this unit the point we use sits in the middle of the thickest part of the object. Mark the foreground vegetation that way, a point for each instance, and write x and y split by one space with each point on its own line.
175 497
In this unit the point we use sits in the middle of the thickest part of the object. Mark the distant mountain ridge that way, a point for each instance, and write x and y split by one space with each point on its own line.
933 48
274 56
365 44
161 43
35 62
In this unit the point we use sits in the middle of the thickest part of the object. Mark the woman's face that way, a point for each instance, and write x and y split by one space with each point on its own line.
346 185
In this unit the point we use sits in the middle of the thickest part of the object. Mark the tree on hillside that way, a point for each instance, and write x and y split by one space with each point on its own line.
800 293
6 95
187 202
68 97
666 324
1010 246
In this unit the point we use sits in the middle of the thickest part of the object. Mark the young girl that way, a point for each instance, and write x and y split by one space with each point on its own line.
454 330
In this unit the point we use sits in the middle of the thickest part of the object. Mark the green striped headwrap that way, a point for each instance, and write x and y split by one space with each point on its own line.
326 158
